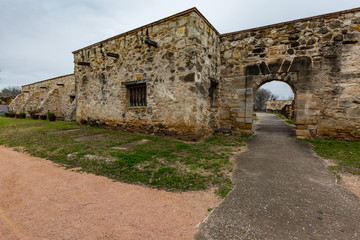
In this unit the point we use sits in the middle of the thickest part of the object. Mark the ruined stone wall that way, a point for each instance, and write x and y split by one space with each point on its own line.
176 73
55 95
288 111
6 100
318 57
277 105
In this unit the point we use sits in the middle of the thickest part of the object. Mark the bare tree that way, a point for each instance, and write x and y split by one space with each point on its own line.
261 96
10 92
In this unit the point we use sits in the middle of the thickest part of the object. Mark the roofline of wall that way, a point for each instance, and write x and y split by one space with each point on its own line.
293 21
194 9
67 75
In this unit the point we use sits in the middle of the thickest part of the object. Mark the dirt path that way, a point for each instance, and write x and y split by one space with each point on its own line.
40 200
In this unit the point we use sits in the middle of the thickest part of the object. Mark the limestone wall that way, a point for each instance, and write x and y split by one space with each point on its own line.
177 75
317 57
198 80
277 105
55 95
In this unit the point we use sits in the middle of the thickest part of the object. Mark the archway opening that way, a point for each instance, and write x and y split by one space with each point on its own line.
276 97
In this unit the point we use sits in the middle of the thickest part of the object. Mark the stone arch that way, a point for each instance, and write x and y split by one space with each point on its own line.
290 71
285 78
288 83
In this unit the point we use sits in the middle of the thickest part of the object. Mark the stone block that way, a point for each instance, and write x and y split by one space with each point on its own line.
248 120
300 64
238 110
274 66
252 69
240 120
303 134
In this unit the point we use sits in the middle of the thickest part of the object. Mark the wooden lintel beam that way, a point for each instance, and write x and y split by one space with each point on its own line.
114 55
136 82
84 64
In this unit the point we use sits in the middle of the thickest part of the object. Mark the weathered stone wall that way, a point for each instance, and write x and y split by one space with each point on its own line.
277 105
198 80
55 95
178 76
288 111
6 100
317 57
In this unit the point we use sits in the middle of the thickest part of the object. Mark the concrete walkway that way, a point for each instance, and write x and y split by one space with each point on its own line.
282 191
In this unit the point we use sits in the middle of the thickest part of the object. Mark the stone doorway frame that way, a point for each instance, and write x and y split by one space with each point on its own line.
256 81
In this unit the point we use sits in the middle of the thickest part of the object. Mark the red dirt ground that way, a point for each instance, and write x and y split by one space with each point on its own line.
40 200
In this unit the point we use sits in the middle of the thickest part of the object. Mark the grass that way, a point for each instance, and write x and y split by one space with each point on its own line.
346 155
280 116
289 121
161 163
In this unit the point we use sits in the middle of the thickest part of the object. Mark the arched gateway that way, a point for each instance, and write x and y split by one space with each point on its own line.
315 56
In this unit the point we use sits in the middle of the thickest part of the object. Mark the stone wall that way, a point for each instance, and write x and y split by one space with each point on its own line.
317 57
6 100
288 111
276 105
178 75
55 95
198 81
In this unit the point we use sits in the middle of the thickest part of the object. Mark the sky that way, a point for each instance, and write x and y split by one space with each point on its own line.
37 37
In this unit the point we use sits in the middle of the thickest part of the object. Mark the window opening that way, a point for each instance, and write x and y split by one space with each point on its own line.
137 95
212 88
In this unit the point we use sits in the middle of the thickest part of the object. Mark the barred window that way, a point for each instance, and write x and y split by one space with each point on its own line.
137 95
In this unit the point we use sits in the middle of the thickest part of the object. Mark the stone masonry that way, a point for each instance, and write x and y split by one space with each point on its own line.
317 57
55 95
275 106
177 73
178 76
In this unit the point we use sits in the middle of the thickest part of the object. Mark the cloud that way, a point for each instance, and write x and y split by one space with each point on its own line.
281 89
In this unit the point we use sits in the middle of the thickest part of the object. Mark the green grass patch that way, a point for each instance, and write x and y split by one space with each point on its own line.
161 163
288 121
346 154
282 117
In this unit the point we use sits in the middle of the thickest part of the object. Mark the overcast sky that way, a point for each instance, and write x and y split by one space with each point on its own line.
38 36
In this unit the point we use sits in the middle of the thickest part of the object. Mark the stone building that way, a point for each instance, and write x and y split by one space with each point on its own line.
275 106
179 76
55 95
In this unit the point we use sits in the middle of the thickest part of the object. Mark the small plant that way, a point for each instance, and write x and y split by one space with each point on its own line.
43 117
21 115
10 114
33 113
51 116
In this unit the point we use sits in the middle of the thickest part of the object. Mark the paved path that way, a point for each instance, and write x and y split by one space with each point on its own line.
282 191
